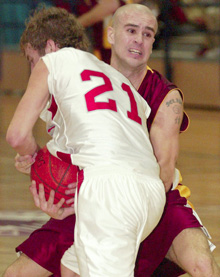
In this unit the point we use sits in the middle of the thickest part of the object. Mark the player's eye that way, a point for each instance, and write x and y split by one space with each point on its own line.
132 31
148 34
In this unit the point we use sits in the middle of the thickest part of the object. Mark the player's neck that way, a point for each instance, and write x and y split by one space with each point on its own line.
135 74
136 77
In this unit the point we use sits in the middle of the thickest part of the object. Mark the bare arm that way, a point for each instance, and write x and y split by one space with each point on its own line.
19 134
164 135
99 12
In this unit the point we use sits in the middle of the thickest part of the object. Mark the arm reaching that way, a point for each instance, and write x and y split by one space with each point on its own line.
164 136
19 134
102 9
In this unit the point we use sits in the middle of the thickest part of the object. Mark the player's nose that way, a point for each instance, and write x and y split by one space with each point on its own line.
139 38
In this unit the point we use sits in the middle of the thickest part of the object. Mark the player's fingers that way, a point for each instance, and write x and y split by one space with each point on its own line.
60 204
68 211
25 158
50 200
26 169
43 202
33 190
70 201
57 210
23 163
72 185
70 191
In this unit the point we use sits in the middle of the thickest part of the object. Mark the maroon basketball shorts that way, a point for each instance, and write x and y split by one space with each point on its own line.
153 249
47 245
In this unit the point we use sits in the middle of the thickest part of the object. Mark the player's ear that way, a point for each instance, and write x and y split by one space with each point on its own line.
50 46
110 35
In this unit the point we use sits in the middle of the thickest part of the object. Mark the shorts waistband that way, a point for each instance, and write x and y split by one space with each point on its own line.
108 169
95 171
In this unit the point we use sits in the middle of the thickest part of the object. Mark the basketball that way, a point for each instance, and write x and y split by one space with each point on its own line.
54 174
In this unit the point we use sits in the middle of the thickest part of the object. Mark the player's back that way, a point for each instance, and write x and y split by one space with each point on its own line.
101 118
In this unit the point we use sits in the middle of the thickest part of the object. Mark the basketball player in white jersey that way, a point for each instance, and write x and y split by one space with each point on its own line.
101 127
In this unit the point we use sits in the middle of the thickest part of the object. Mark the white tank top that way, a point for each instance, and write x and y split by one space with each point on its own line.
101 118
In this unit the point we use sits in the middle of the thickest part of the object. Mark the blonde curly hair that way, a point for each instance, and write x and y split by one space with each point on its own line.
56 24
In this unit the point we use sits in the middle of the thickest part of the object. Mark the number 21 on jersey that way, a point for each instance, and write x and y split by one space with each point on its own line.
111 104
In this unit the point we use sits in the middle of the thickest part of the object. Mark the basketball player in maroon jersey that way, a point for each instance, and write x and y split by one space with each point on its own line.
155 105
178 235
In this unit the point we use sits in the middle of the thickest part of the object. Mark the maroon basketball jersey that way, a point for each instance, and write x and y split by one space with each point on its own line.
154 89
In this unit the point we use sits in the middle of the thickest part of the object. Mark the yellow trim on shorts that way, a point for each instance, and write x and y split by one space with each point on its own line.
185 192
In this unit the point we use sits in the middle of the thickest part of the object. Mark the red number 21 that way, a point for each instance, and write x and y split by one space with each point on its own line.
111 104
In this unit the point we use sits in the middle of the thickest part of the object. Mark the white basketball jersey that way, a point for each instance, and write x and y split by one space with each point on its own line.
101 118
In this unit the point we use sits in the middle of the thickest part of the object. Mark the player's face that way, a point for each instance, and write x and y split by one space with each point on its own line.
133 38
32 55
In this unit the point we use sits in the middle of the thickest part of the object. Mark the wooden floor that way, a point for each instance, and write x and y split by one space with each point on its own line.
199 162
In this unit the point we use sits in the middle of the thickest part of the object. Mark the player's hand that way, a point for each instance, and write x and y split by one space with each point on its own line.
53 210
167 187
23 163
71 190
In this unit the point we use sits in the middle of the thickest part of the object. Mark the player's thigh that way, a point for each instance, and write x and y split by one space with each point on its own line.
25 267
188 246
106 247
107 237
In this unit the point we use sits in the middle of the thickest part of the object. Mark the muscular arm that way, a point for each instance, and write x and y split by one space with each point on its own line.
19 134
164 135
99 12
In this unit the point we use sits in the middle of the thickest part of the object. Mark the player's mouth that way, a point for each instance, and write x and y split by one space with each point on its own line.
135 51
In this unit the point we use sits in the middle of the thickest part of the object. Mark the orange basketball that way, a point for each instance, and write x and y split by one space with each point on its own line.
54 174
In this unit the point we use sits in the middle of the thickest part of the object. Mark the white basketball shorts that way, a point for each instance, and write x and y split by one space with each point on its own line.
116 208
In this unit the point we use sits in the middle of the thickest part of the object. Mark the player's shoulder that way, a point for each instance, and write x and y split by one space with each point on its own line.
70 52
66 57
156 79
154 75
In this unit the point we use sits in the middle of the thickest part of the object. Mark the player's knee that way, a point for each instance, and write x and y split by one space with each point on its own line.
202 266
